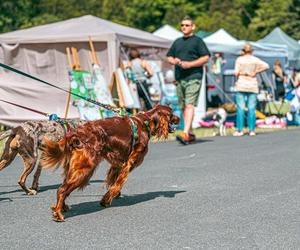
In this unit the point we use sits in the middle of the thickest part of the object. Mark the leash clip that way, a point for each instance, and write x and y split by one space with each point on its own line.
53 117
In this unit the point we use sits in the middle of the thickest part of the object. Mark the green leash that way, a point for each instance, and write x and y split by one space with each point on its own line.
119 111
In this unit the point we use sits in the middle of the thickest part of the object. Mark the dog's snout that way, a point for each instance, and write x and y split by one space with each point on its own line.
175 119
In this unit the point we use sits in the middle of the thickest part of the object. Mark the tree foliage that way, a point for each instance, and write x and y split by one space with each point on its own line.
244 19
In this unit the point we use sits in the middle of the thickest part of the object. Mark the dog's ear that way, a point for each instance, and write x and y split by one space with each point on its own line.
175 119
154 124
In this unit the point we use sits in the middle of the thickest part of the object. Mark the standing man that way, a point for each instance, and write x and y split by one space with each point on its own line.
188 53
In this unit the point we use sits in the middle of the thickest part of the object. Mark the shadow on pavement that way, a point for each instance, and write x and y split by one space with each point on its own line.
94 206
198 141
56 186
41 189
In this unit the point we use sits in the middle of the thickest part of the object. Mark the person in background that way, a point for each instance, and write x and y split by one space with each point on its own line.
280 79
188 54
217 64
247 67
295 80
141 72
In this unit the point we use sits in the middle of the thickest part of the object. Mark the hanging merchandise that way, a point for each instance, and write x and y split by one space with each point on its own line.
129 76
124 88
102 92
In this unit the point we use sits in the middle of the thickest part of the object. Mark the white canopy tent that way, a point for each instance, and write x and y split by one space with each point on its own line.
277 36
41 51
221 36
222 41
168 32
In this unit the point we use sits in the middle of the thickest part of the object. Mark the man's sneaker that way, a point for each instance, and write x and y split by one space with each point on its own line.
185 139
238 133
192 137
252 133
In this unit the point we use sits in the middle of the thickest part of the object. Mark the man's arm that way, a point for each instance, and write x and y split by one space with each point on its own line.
173 60
196 63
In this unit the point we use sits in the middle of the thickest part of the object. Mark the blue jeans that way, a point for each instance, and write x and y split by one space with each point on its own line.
241 99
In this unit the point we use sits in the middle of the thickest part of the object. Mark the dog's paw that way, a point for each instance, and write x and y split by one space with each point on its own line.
53 208
35 187
118 195
65 208
32 192
104 203
58 217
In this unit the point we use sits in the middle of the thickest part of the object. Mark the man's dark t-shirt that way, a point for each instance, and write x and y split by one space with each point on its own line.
188 49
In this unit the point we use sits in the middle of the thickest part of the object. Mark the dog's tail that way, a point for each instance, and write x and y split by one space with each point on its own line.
54 154
5 134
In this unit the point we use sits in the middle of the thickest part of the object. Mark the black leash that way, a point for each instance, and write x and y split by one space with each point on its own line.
23 107
52 117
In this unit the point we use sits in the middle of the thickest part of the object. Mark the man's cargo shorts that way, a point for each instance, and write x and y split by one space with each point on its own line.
188 92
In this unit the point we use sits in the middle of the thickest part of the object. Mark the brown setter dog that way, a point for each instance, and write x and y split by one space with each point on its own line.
122 141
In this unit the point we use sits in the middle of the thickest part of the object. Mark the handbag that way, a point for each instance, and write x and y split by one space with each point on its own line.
229 107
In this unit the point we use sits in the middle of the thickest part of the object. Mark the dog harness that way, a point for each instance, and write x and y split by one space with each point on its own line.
64 124
134 130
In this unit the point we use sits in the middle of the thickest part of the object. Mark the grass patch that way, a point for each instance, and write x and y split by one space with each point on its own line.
210 132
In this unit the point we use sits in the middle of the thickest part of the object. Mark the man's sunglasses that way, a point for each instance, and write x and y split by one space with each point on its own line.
185 25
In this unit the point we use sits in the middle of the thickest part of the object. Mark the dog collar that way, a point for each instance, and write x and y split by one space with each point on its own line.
148 128
134 131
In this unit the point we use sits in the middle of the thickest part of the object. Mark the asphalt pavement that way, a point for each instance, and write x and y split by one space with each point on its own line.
220 193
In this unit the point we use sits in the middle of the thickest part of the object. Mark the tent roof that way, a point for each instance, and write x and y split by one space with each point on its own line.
221 36
277 36
260 49
202 34
79 29
168 32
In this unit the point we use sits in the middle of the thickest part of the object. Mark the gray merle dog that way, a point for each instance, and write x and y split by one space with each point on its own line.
26 140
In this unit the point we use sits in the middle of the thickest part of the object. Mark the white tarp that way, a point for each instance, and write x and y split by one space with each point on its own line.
221 36
222 41
41 51
277 36
168 32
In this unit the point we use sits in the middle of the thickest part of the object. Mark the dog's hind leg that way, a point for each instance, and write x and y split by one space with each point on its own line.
29 164
9 153
78 176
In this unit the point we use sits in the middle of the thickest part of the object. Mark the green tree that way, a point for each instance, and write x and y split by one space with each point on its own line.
271 14
234 16
244 19
14 14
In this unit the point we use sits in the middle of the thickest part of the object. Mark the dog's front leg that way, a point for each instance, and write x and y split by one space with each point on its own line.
115 189
35 182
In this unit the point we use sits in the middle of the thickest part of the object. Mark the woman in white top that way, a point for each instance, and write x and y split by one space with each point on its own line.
247 67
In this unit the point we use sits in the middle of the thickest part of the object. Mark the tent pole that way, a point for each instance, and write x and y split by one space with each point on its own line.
69 94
